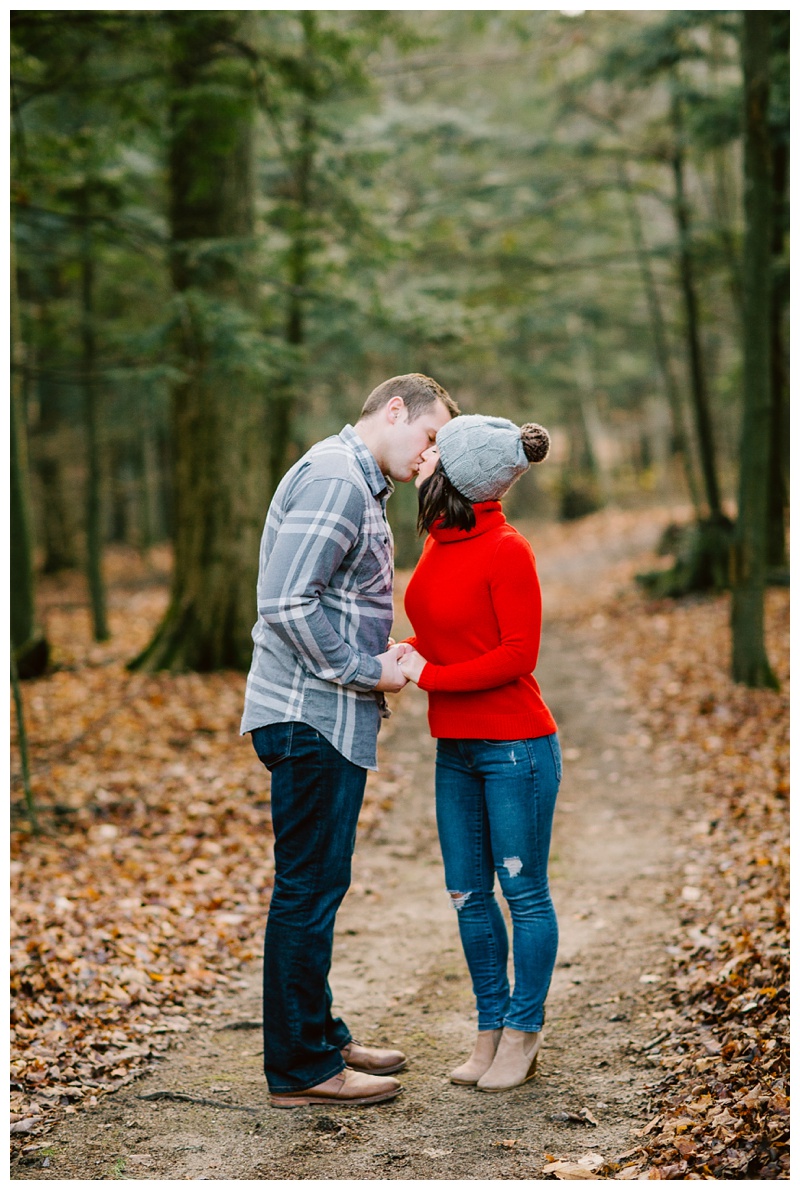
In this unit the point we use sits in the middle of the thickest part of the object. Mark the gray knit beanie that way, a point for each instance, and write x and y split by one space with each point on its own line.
483 456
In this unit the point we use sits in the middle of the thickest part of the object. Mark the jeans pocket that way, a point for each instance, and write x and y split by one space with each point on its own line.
272 743
555 748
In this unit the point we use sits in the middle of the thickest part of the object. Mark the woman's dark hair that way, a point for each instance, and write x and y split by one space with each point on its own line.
440 502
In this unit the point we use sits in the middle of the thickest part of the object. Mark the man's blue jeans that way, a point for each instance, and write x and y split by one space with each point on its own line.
316 799
494 808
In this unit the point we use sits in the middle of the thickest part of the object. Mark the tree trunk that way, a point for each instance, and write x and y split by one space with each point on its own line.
703 556
58 538
750 663
28 643
679 436
217 437
152 528
779 380
586 400
725 212
94 507
705 438
59 551
22 739
283 398
579 488
124 511
780 429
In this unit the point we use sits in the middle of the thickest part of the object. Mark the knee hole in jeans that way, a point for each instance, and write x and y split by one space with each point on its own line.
512 864
458 899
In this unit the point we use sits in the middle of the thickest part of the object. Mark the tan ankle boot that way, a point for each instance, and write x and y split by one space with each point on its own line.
479 1061
514 1063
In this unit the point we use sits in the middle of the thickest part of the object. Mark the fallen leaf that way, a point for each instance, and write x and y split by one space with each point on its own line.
571 1117
648 1128
587 1166
25 1125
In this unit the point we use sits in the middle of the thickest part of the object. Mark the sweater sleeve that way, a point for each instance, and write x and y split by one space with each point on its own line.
321 524
517 602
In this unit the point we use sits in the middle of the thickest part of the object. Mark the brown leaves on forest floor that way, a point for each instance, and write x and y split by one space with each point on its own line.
721 1108
149 885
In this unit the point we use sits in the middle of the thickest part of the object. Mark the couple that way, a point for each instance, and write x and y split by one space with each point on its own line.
322 663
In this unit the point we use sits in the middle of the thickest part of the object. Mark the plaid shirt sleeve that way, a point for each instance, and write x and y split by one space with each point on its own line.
322 521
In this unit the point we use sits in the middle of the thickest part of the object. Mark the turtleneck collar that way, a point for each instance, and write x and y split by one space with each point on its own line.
488 515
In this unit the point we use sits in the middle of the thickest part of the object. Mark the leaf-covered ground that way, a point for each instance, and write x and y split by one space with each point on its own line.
722 1108
146 891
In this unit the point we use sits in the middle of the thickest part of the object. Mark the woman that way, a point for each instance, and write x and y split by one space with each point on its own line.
475 607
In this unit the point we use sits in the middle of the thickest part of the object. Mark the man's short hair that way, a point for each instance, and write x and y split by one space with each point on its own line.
418 392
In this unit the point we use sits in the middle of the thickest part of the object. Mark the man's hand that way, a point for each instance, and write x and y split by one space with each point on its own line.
391 679
411 664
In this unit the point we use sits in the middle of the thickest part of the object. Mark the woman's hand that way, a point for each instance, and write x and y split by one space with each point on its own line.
412 664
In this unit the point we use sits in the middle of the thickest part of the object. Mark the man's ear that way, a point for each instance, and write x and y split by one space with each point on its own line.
394 409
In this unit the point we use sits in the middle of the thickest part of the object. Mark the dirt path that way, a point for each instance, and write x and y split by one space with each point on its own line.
399 977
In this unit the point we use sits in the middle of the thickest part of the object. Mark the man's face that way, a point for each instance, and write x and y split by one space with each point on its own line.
408 441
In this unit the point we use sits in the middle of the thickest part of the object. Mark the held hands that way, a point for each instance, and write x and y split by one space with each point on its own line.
392 679
411 664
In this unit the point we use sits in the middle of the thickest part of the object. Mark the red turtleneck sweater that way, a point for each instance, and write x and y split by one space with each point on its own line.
475 605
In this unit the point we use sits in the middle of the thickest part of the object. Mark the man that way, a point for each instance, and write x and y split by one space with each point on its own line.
314 700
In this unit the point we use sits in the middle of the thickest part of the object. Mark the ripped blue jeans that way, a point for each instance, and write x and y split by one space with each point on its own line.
494 808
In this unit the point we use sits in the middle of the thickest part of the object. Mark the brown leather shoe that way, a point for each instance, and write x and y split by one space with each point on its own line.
373 1061
348 1088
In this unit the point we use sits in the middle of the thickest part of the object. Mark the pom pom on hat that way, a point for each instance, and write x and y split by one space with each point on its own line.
483 456
535 442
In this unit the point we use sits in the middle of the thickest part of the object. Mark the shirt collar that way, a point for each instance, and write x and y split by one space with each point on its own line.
380 484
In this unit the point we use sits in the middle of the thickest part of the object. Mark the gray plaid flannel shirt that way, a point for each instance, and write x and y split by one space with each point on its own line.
326 569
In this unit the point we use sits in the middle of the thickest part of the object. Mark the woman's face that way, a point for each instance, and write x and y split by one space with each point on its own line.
428 465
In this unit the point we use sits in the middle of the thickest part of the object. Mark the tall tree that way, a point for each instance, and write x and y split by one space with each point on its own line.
780 431
750 663
57 537
84 165
313 77
686 272
660 344
28 642
298 140
217 431
91 397
671 62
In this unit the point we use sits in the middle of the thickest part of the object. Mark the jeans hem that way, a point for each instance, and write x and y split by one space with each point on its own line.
523 1028
307 1086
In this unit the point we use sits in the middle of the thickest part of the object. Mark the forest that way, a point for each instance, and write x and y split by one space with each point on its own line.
226 228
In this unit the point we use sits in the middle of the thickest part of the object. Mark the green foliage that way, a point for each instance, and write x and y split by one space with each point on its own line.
436 192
